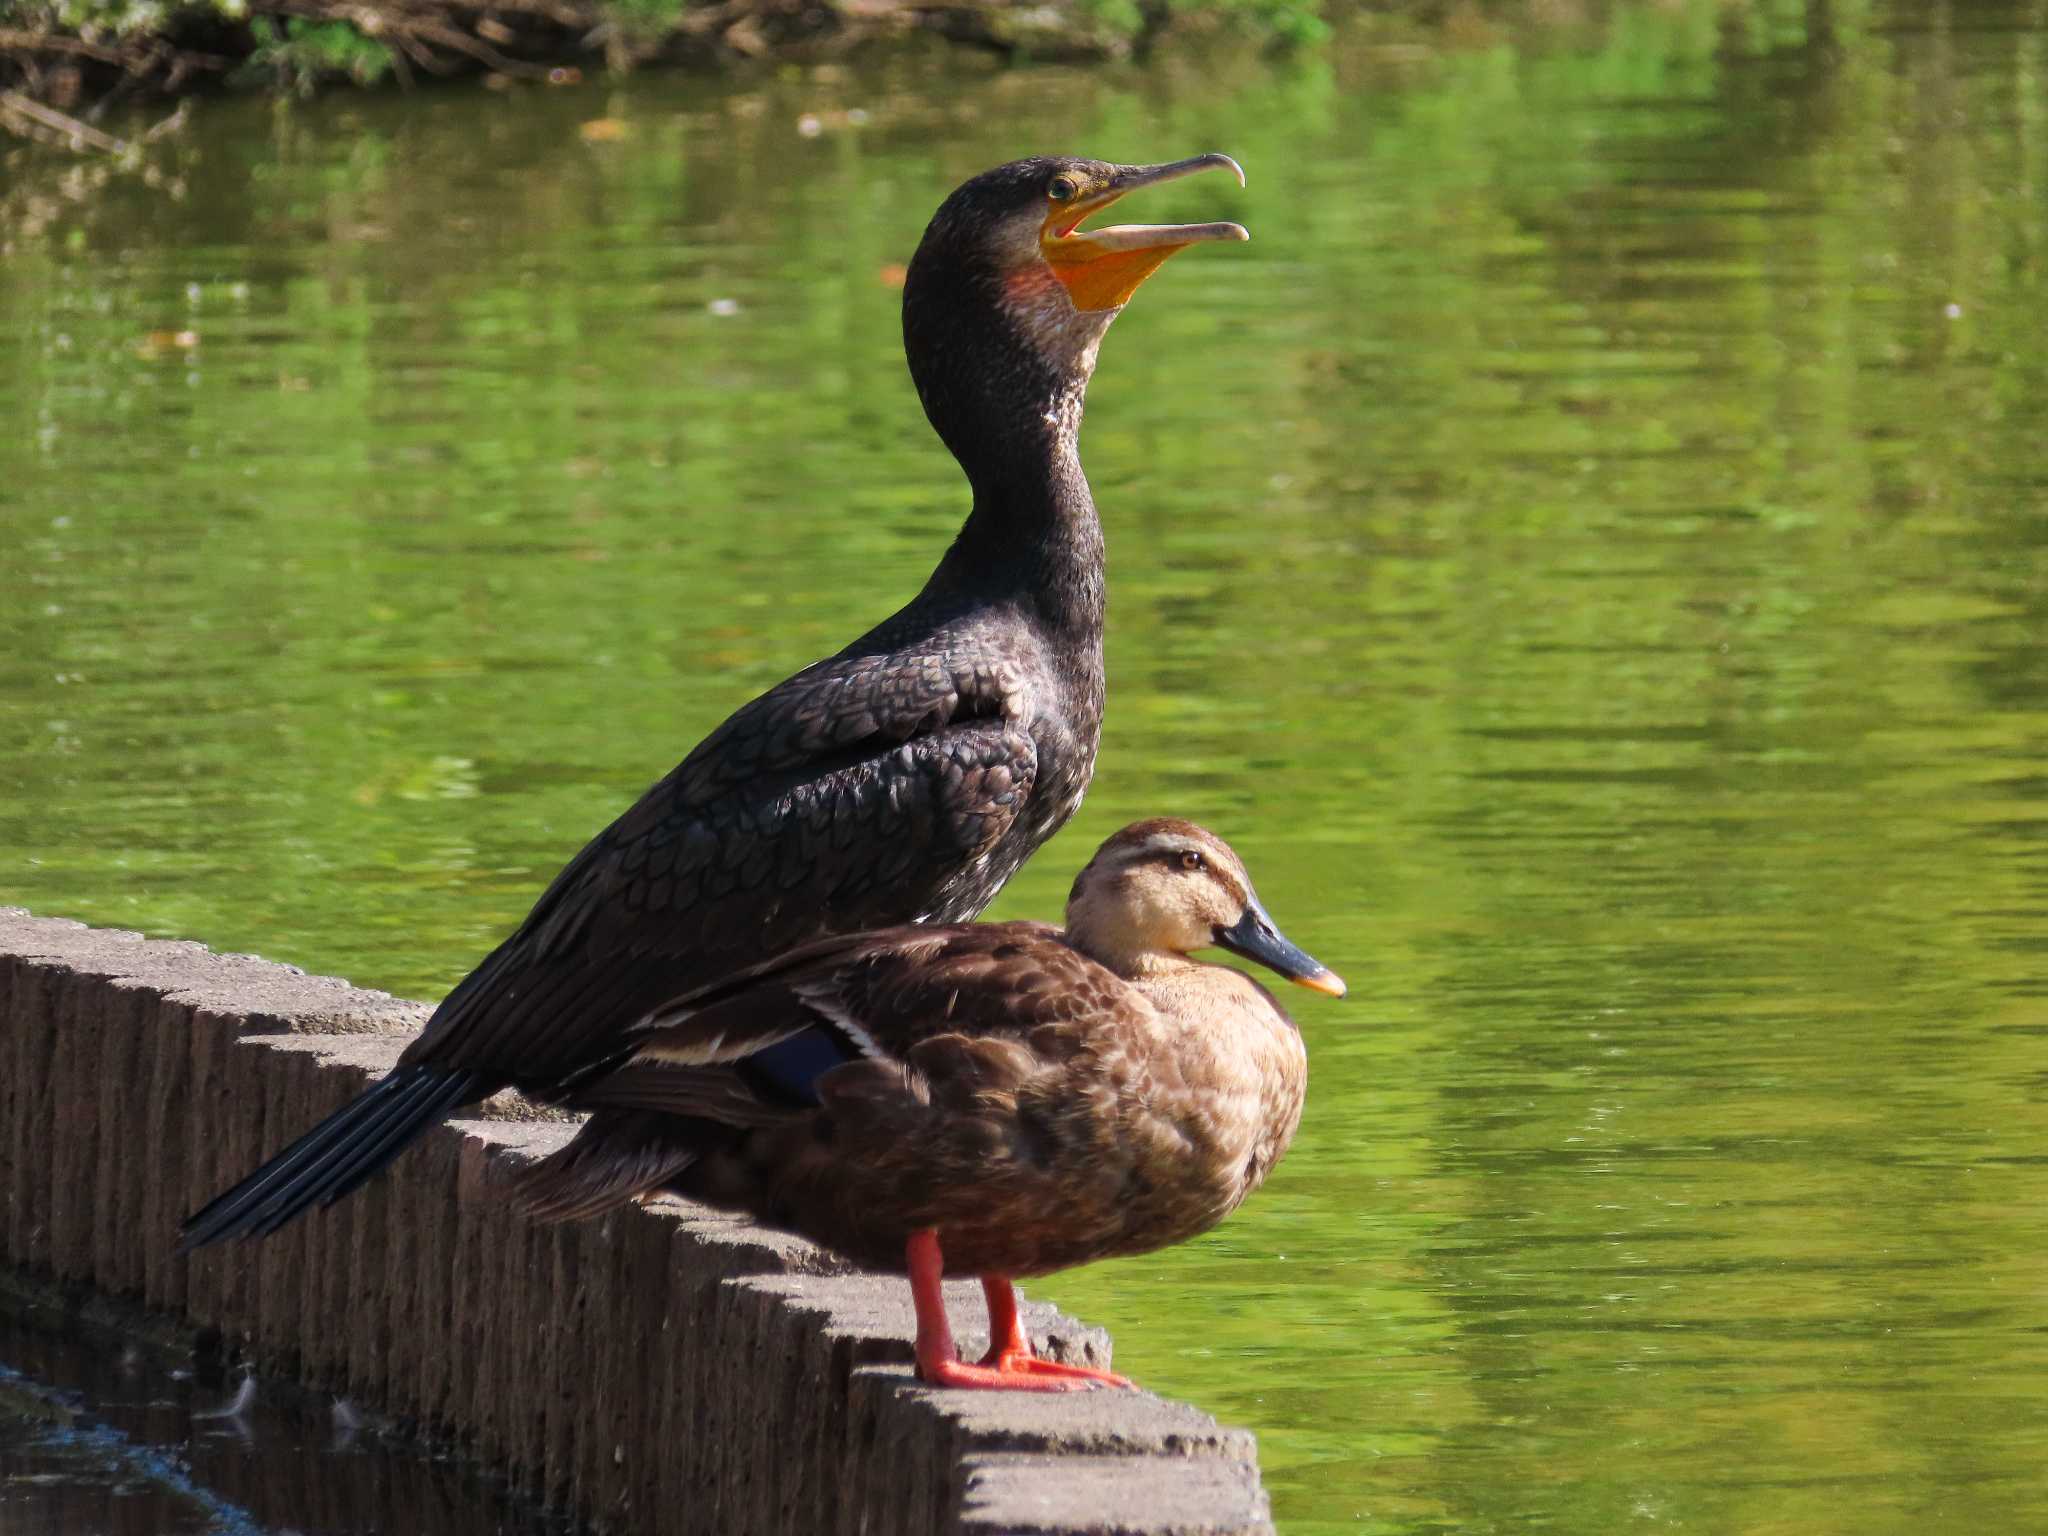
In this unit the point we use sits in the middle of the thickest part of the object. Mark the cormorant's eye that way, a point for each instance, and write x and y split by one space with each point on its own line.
1062 189
1191 860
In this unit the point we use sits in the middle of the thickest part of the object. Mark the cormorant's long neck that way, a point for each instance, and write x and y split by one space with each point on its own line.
1012 417
1033 531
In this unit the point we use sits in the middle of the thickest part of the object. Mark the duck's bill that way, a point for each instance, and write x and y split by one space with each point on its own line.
1102 268
1256 938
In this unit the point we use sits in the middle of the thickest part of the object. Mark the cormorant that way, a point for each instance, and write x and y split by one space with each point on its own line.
903 779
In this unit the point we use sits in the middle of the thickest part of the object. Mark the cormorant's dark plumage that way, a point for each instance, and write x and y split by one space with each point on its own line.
903 779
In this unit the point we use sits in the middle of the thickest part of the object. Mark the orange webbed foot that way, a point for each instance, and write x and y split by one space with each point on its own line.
986 1378
1010 1361
1009 1365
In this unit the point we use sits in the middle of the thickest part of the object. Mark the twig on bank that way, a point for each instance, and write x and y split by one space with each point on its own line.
416 34
13 39
59 127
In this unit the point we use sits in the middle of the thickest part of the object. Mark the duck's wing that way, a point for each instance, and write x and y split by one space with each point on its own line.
883 993
868 1025
756 1045
848 796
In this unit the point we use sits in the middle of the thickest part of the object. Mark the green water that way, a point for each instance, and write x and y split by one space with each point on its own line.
1589 552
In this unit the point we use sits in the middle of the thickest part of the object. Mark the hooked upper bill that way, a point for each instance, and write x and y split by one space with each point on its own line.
1102 268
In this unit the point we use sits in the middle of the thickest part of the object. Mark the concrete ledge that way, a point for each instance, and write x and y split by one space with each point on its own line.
666 1370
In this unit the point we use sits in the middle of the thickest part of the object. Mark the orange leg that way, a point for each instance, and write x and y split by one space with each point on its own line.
1010 1350
1009 1364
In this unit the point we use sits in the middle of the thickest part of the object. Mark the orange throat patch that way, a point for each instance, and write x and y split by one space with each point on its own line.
1108 281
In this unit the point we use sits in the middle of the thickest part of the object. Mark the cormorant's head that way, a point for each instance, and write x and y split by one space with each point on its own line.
1016 233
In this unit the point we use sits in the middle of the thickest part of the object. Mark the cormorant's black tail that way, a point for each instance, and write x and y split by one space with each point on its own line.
334 1157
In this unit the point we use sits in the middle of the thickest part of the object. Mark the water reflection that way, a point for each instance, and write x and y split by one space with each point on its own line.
98 1438
1588 547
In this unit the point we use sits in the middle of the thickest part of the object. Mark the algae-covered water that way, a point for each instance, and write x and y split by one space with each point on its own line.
1589 552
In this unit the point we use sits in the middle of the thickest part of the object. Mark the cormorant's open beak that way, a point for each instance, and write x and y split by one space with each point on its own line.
1102 268
1256 938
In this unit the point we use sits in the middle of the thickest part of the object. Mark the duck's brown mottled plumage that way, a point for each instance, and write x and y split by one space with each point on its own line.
1060 1115
1037 1097
903 779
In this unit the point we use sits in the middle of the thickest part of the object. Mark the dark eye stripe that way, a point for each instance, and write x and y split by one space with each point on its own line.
1170 858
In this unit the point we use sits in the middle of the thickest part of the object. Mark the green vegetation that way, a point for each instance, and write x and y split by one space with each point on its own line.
48 47
1285 23
304 54
69 52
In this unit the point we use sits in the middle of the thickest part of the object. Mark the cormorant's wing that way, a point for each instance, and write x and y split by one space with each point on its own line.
854 794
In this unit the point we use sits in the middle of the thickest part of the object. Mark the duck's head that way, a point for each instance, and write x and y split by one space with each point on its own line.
1166 888
1007 281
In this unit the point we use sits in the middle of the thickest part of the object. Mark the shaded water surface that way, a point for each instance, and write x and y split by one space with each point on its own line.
102 1438
1590 553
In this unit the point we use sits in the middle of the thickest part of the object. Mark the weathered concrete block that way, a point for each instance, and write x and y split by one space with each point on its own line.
506 1308
215 1132
37 1022
14 1091
165 1065
121 1175
1043 1494
367 1306
73 1110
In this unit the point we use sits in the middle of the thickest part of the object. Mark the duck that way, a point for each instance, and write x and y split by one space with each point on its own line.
999 1100
904 778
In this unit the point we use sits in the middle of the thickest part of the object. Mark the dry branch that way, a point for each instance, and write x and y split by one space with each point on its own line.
58 127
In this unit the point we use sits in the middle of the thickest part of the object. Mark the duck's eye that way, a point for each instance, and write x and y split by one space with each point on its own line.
1191 861
1062 189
